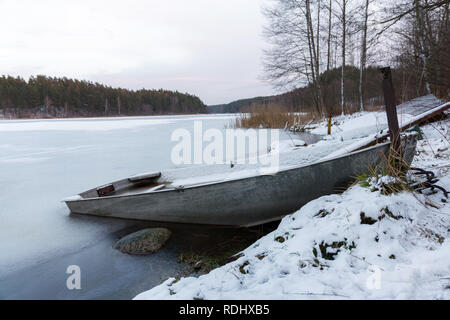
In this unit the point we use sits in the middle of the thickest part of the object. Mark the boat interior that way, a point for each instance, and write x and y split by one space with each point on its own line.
142 183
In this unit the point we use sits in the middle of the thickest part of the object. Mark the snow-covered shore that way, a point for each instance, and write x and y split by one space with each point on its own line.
357 245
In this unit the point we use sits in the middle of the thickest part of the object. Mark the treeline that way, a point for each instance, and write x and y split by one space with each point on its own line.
239 105
303 100
47 97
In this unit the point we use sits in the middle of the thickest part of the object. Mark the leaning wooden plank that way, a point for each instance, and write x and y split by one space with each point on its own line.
416 120
383 135
419 105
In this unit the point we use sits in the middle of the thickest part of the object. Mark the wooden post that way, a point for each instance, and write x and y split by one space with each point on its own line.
329 124
391 109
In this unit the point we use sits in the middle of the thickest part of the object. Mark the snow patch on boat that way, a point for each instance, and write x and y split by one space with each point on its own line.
72 198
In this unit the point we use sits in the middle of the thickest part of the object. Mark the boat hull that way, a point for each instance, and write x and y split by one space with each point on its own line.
243 202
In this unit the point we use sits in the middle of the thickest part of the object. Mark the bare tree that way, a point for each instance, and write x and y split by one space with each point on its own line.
342 15
329 35
318 37
401 9
363 54
423 50
423 28
345 13
314 54
293 59
307 36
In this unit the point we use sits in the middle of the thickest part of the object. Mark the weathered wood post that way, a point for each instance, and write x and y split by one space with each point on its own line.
391 110
329 124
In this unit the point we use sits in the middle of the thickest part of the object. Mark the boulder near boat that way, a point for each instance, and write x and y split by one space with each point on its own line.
235 202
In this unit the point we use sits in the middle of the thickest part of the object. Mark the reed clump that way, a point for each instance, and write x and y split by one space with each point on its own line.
271 117
278 116
391 176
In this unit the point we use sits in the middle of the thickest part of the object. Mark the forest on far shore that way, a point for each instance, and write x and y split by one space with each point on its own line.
405 81
301 99
47 97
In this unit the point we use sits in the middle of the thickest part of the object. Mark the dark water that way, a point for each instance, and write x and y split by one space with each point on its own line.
108 274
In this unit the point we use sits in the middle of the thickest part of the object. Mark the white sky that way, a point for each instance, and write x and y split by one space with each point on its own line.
210 48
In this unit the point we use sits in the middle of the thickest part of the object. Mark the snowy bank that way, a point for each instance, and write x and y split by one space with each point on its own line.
357 245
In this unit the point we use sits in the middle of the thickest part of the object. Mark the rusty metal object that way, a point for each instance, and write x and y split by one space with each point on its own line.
106 190
428 183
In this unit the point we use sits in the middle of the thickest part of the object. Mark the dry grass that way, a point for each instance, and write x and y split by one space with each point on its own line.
395 166
371 108
271 116
277 116
350 109
392 165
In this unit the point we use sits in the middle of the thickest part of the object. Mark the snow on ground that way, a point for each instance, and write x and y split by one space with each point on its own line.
358 124
357 245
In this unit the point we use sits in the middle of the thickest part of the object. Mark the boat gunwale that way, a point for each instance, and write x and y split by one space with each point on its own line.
286 169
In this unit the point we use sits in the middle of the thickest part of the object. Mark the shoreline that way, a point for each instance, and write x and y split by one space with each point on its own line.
107 273
110 117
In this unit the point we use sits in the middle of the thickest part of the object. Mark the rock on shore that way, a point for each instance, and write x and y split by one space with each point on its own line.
145 241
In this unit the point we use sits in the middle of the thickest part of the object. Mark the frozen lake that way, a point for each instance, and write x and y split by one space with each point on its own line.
44 161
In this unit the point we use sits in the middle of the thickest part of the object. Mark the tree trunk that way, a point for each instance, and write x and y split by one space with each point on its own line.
422 48
363 56
329 37
344 31
318 40
313 55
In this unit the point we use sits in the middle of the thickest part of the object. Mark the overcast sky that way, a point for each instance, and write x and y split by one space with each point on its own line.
210 48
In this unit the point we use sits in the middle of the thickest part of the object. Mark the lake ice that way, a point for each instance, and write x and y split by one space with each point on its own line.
45 161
